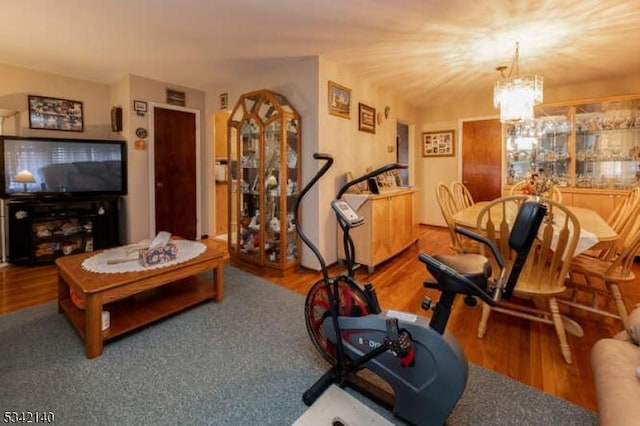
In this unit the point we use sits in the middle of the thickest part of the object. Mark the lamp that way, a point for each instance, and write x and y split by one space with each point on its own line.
516 94
24 177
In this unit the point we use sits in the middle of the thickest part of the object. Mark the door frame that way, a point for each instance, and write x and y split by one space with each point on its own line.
152 167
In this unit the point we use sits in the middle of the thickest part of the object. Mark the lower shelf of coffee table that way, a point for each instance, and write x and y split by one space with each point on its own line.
147 307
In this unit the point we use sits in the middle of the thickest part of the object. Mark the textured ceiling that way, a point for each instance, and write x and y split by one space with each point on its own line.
427 52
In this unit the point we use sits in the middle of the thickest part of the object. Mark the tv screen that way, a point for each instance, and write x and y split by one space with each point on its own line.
48 166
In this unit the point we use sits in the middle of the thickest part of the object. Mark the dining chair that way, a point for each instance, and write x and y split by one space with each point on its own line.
461 195
601 279
543 276
623 221
519 187
448 208
594 280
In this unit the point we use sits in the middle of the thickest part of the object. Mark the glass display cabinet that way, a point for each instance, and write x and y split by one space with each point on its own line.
540 146
579 145
264 158
608 144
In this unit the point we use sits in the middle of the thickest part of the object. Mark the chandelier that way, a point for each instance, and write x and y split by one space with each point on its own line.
516 94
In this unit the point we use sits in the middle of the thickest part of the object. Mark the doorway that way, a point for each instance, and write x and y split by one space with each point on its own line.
174 171
482 158
402 150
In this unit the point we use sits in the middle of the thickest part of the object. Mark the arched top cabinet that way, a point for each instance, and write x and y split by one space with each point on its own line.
264 154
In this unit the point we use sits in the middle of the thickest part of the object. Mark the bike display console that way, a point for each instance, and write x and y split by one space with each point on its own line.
43 229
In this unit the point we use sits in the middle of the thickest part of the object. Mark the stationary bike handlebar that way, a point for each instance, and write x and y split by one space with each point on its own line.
325 167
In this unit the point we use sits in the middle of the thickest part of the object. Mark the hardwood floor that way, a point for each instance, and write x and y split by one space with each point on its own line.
523 350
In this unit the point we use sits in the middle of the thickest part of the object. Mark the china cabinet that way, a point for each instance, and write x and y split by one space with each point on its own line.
264 166
589 148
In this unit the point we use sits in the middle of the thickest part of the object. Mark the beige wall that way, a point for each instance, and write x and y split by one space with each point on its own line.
17 83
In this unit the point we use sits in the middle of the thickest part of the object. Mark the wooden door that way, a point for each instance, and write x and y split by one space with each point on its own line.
482 158
174 157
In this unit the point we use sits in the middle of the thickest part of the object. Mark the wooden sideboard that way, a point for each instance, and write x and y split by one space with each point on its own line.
390 225
603 201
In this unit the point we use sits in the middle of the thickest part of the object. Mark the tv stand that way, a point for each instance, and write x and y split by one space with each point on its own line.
41 229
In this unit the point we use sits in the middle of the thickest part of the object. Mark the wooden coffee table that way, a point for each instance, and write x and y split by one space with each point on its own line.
134 299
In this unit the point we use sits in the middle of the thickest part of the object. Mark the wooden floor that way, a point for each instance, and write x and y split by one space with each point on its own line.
525 351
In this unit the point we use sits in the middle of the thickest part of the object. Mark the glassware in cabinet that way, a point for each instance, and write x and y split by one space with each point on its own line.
539 146
264 130
608 144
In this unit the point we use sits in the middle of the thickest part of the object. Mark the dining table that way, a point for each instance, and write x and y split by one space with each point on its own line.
595 234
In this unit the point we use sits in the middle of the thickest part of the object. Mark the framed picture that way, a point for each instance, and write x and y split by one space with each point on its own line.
224 100
366 118
55 114
339 100
438 144
175 97
140 107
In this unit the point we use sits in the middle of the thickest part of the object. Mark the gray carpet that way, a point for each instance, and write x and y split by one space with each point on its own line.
245 361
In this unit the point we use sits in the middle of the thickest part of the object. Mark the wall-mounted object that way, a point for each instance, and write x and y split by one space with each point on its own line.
339 100
55 114
224 100
116 119
141 132
176 97
366 118
438 144
140 107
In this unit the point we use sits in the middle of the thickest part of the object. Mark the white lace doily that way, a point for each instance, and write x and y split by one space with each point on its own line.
186 250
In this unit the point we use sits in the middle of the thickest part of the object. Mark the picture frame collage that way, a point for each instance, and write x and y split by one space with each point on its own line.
339 104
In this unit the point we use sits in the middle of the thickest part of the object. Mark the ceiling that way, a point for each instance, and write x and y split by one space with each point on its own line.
424 51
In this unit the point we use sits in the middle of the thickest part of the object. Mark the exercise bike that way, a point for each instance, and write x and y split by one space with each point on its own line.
424 365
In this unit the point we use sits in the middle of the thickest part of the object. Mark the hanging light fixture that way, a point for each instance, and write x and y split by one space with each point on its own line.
516 94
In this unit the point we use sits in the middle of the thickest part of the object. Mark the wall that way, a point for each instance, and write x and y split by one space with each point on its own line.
353 150
17 83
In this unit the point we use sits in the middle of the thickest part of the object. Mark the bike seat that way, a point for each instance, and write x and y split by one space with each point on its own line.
474 267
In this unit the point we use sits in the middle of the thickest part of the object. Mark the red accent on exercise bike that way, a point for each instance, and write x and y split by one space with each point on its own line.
352 303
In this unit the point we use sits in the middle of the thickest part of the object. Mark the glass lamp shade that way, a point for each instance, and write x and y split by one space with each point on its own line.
24 176
517 96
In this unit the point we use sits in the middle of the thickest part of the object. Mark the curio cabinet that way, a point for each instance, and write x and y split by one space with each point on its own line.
264 158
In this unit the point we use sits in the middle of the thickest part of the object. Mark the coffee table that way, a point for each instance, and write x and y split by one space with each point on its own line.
134 299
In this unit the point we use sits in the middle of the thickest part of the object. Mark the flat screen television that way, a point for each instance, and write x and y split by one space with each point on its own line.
33 166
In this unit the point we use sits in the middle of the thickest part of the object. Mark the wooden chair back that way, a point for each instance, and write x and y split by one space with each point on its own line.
461 195
518 189
625 220
549 259
448 208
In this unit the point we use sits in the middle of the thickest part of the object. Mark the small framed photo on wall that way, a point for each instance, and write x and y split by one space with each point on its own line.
366 118
438 144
